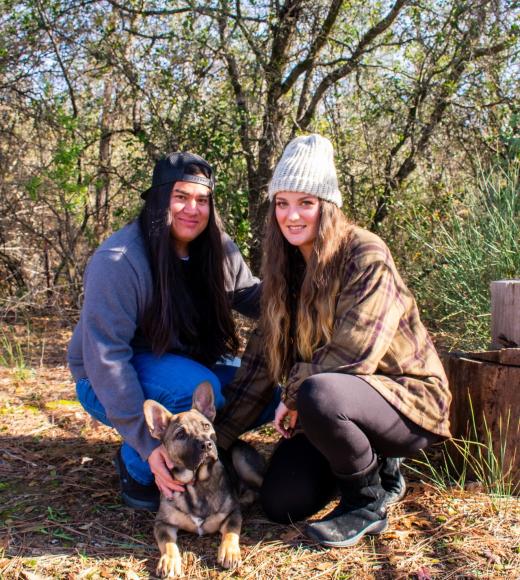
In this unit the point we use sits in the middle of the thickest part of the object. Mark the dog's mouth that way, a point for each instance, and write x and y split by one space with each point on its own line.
186 470
206 457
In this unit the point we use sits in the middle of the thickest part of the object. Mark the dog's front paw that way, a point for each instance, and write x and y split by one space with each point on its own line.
170 566
229 551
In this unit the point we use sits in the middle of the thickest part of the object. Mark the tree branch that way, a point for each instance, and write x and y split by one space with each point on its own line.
318 43
240 95
343 71
205 10
47 29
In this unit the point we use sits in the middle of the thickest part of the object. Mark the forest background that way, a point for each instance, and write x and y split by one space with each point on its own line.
419 97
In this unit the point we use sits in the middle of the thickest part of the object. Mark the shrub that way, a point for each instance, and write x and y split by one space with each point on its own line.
477 241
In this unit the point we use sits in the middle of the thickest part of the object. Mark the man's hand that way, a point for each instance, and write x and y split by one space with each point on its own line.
282 417
160 465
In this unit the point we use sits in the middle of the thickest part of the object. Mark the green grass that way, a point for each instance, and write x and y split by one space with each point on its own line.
476 241
12 355
478 458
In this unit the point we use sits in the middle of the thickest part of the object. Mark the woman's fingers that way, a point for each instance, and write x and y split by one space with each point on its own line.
166 457
280 430
280 419
279 416
167 488
160 465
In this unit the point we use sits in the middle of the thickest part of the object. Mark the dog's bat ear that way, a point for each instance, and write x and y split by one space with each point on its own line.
157 418
204 400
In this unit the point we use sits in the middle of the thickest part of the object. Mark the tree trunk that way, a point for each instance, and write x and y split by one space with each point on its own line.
104 161
269 149
258 205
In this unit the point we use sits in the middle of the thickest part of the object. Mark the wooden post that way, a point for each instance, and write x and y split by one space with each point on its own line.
486 404
505 314
486 385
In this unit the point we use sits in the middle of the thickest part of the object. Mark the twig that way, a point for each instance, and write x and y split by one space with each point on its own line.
13 456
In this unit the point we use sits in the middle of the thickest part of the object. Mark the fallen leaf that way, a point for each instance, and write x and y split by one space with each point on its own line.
421 523
88 572
61 403
102 493
290 535
474 486
86 526
423 574
397 534
32 576
492 557
323 566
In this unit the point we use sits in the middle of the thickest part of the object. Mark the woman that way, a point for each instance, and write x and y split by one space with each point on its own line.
156 318
363 384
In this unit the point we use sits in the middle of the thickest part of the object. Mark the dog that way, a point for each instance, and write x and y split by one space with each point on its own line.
213 493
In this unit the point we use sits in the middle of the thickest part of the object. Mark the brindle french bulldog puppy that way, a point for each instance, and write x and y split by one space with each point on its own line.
210 502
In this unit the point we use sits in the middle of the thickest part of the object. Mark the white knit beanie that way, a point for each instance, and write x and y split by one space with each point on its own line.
307 165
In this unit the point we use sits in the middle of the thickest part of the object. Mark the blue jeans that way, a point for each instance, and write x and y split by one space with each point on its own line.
169 380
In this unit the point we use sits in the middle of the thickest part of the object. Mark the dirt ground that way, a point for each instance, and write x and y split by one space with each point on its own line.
60 514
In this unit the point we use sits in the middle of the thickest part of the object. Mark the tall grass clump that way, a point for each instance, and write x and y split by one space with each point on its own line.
12 356
475 242
482 456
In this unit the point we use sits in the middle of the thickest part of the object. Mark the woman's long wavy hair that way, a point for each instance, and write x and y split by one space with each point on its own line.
173 313
298 299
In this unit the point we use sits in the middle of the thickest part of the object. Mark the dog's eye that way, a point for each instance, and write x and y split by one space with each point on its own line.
181 434
206 426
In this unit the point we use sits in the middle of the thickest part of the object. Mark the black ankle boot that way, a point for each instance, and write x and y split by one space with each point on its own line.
135 494
392 479
360 512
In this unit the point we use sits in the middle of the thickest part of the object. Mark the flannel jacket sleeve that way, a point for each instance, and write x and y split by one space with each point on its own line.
368 313
247 395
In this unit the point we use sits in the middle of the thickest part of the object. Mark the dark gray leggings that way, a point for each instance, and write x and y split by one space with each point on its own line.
344 421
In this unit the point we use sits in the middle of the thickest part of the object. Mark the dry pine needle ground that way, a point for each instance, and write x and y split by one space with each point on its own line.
60 515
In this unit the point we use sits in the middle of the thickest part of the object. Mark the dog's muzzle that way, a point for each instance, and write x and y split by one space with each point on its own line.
202 451
209 450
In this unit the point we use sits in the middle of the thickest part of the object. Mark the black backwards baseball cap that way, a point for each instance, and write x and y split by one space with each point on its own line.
172 168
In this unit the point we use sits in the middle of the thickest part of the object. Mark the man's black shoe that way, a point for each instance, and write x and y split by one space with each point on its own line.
135 494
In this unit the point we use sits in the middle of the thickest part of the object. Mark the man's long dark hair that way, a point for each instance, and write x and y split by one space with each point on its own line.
189 303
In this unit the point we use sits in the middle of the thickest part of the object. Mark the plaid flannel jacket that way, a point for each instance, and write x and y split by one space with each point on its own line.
377 335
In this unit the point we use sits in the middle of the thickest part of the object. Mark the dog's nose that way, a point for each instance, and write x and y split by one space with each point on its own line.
206 445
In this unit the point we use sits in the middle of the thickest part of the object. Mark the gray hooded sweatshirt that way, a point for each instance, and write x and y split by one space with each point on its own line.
117 290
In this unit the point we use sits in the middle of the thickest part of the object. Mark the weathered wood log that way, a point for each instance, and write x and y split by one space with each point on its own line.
486 403
505 313
504 356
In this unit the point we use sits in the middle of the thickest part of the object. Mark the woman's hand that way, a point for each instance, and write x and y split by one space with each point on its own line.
160 464
282 417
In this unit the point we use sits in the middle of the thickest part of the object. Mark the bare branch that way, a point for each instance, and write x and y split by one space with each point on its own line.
349 66
205 10
249 39
63 68
240 95
318 43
